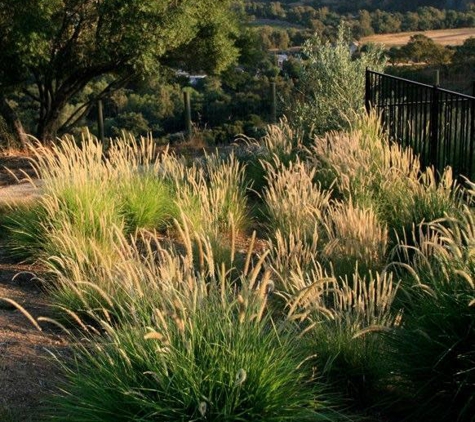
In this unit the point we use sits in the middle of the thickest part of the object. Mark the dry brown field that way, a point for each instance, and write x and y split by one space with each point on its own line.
440 36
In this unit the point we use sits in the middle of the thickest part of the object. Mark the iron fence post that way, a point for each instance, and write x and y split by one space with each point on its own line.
434 127
470 172
367 102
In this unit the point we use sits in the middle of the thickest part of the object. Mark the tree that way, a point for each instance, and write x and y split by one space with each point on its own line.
465 54
364 27
52 49
331 85
422 49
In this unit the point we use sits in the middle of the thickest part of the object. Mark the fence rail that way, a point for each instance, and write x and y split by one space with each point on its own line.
437 123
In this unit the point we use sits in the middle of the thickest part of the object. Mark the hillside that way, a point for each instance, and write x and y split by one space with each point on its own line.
442 36
349 6
288 23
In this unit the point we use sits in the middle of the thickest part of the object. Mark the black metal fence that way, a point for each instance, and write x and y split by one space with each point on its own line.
437 123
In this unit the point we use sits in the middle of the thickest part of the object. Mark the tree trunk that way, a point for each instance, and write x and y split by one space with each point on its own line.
13 123
47 130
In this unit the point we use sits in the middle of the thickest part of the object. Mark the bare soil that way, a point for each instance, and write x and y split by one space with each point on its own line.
440 36
28 373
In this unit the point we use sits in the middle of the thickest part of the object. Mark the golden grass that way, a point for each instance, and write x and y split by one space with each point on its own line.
294 202
441 36
354 235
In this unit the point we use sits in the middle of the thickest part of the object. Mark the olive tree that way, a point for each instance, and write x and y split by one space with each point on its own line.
331 87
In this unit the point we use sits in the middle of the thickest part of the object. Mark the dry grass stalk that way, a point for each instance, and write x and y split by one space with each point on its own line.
354 234
293 201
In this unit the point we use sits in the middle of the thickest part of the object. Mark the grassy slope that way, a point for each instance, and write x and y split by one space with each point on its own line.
441 36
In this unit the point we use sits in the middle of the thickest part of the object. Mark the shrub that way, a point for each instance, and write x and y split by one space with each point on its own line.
332 83
353 237
213 202
280 145
364 166
86 193
294 203
433 355
343 320
186 345
210 366
25 231
146 202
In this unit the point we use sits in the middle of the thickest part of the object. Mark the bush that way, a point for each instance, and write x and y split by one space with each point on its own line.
25 231
343 320
208 367
332 83
433 357
146 202
186 345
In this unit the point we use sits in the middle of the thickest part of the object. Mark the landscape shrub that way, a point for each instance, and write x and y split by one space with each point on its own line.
293 251
353 238
280 145
25 231
332 83
182 324
85 192
433 354
187 345
212 199
210 366
363 166
146 202
294 202
343 320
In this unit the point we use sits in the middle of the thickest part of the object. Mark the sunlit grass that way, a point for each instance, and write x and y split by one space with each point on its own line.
360 280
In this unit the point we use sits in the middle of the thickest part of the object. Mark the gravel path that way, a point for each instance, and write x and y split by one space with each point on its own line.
27 371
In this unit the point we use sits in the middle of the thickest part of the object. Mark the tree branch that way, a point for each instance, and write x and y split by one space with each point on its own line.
85 108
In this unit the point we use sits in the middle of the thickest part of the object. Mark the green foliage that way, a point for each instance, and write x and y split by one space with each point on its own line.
433 353
343 321
210 366
373 173
364 16
133 123
25 230
146 202
421 49
70 44
332 83
99 194
185 325
465 54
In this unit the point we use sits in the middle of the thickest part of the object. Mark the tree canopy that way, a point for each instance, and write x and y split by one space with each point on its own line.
52 49
422 49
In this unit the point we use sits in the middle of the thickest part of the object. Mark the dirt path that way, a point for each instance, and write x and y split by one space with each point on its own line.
27 371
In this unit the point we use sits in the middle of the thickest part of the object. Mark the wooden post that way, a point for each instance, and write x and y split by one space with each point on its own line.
273 102
437 78
100 121
188 127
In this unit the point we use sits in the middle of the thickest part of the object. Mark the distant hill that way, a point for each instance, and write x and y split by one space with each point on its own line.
396 5
349 6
